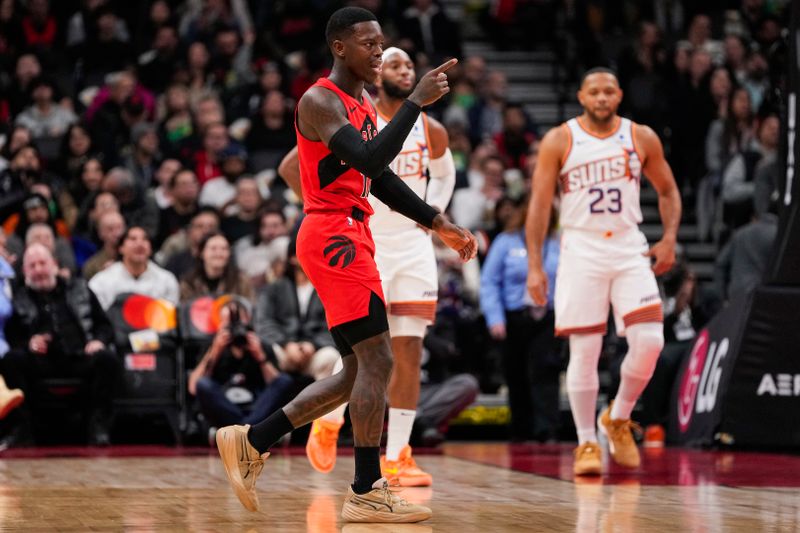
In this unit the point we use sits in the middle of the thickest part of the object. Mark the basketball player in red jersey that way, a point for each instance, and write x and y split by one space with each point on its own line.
342 159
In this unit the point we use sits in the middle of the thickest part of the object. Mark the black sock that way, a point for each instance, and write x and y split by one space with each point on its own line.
267 432
368 468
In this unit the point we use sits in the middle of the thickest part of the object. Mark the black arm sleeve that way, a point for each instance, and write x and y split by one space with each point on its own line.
371 157
393 191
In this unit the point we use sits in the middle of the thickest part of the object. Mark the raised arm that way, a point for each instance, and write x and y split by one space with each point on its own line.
322 117
544 182
656 169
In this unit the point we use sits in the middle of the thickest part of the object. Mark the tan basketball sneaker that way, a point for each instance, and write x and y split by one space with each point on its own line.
242 463
587 460
620 439
381 505
404 472
321 445
10 399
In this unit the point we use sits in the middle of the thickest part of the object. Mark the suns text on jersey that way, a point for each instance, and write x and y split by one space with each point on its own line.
595 172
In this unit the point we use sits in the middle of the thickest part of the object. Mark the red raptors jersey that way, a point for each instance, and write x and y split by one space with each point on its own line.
329 183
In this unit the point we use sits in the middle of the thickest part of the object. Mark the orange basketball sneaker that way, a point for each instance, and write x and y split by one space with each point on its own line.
321 445
405 472
620 439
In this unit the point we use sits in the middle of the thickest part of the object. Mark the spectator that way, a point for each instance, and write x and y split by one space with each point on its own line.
473 207
157 65
206 160
220 191
40 233
197 76
134 272
27 69
97 204
515 138
486 116
262 255
530 353
24 170
110 227
736 49
45 118
9 399
37 225
17 138
699 37
237 358
138 209
757 81
438 404
290 317
58 329
178 253
202 17
731 134
230 62
142 162
738 177
76 149
720 88
183 192
176 125
430 30
81 23
215 271
39 28
244 218
271 133
161 193
104 51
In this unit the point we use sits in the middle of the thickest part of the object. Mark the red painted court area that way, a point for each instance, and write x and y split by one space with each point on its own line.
660 466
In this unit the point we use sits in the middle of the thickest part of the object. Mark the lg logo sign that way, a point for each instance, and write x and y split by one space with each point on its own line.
700 383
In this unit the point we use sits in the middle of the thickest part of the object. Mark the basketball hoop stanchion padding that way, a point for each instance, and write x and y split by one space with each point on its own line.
740 385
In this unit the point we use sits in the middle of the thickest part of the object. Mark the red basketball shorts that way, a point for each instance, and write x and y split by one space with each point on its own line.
338 256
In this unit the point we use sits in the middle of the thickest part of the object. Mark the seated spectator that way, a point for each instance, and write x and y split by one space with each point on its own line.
205 161
96 205
439 403
137 209
530 352
134 272
237 358
58 330
80 193
243 213
36 225
161 194
742 262
142 162
220 191
183 190
262 255
515 138
45 118
110 228
271 134
473 206
59 247
24 169
215 271
178 253
18 137
290 317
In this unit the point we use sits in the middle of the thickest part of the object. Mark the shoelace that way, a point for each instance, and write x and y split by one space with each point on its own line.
584 449
326 436
254 467
390 493
625 430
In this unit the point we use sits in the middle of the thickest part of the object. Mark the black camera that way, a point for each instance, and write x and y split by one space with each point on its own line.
237 328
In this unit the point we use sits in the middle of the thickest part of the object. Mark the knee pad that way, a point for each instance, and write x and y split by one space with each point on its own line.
645 342
407 326
584 352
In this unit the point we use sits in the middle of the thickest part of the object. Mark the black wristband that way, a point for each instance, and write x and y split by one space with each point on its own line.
393 191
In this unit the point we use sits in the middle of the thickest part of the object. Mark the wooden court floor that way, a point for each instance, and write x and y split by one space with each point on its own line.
477 487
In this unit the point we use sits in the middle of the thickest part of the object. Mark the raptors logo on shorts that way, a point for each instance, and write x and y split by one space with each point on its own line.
340 247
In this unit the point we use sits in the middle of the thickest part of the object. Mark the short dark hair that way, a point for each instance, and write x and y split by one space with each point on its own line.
341 23
597 70
127 234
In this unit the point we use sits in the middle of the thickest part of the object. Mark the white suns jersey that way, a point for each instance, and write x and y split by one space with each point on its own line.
599 180
411 164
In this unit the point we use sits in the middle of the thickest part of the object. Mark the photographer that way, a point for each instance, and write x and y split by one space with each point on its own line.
237 358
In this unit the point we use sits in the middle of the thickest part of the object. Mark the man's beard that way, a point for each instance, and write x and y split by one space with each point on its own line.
42 285
394 91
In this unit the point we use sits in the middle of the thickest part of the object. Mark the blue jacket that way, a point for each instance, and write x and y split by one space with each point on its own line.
505 274
6 274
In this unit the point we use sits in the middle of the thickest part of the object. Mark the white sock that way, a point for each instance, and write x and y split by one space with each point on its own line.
583 404
337 415
400 423
645 342
583 383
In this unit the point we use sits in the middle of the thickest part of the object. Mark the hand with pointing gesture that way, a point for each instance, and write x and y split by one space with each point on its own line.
432 85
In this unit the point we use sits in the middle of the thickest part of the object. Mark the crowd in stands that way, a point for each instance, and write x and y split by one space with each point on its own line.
139 148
